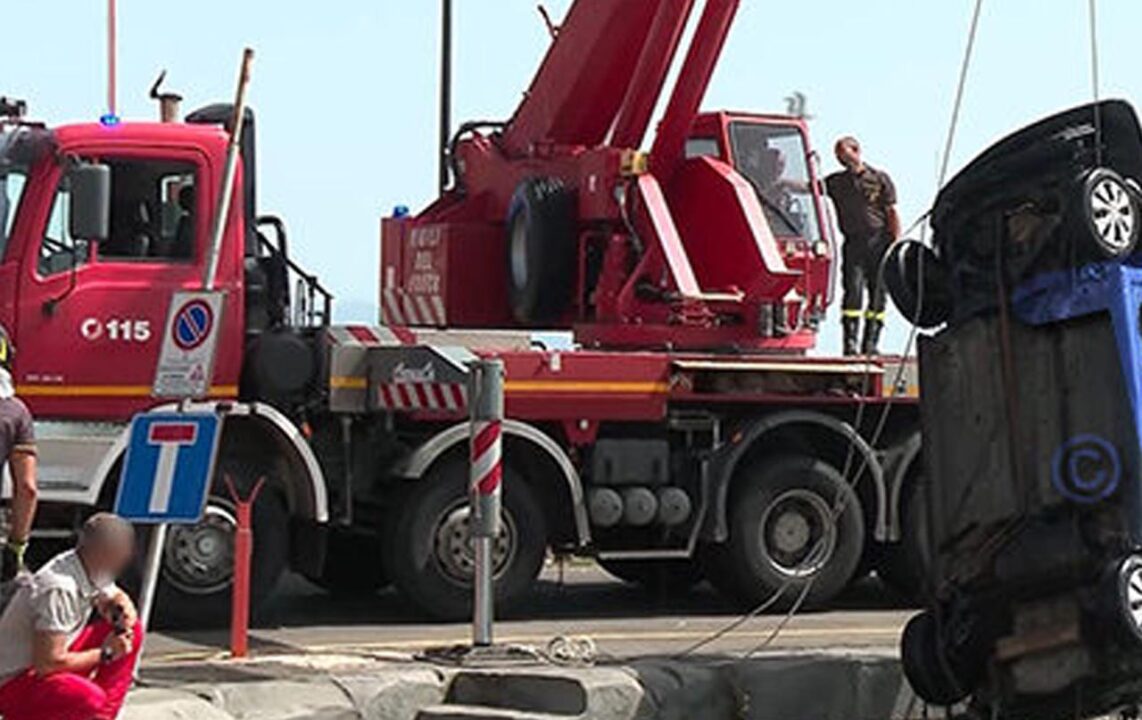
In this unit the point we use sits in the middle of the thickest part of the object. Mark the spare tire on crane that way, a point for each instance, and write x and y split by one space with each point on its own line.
540 250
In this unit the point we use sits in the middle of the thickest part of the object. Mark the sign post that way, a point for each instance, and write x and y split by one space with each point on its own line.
165 479
486 412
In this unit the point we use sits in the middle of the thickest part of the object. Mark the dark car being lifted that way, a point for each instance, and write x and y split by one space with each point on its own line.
1032 421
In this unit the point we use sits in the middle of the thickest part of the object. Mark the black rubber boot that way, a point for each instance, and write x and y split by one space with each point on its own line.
871 337
852 332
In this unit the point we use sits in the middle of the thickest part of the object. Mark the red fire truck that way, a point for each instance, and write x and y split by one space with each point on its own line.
686 434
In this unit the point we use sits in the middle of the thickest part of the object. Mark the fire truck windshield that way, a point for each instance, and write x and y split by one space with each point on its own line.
774 160
20 146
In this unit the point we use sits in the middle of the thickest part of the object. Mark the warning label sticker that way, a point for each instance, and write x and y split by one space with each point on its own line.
186 362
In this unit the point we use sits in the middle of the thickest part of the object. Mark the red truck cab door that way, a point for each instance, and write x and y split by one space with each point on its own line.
91 317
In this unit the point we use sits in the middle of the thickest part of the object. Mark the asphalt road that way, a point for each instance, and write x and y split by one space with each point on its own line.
623 620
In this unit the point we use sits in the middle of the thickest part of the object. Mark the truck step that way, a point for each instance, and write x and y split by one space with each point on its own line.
477 712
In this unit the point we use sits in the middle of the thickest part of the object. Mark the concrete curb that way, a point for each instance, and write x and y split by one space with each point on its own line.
781 686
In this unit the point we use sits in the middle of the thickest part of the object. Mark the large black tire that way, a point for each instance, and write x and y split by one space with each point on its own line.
197 571
540 250
428 551
344 573
925 666
905 566
910 268
660 577
782 534
1110 212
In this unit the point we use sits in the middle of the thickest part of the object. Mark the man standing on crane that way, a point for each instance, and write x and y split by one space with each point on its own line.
18 449
866 211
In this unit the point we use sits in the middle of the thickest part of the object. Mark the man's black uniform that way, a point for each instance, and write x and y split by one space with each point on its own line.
863 200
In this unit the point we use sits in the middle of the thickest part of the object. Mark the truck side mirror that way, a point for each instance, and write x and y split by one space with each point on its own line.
89 213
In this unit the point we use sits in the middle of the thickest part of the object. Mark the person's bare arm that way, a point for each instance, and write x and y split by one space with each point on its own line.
893 223
24 494
50 655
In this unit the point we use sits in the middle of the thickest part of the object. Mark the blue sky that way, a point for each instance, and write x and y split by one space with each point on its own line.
346 89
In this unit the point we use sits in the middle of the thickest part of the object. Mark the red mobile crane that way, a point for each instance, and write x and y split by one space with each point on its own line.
688 435
632 250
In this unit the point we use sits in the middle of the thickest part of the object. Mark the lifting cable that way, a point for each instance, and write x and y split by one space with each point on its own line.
1092 16
839 507
954 124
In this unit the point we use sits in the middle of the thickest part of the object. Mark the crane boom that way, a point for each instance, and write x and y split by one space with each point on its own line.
693 79
579 88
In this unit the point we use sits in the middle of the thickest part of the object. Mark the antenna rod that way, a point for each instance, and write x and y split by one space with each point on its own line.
112 51
445 89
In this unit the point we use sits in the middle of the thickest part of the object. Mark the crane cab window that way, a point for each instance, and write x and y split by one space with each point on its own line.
774 159
702 147
152 211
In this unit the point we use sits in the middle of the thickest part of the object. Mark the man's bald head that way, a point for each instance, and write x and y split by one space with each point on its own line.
847 150
106 543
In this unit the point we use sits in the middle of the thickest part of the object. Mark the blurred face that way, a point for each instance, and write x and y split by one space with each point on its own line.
848 153
108 561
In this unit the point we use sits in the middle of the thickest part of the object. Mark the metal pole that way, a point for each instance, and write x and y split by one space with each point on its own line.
486 410
222 210
112 53
152 567
445 89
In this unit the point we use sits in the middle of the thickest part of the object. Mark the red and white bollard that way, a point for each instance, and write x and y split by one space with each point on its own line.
486 411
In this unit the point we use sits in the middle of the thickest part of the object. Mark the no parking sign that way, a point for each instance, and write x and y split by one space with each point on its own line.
186 363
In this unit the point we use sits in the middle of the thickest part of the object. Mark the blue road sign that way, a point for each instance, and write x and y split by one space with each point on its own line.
169 464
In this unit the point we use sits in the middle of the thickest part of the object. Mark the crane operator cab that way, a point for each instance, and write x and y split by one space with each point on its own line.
773 154
1032 423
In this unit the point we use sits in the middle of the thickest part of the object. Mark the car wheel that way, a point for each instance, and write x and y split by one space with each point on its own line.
1110 212
924 664
927 305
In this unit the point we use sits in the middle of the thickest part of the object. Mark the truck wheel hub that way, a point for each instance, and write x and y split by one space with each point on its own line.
455 548
797 533
199 559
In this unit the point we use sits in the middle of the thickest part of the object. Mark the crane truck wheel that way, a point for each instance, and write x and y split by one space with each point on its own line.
659 577
786 536
198 560
429 552
904 566
344 575
541 250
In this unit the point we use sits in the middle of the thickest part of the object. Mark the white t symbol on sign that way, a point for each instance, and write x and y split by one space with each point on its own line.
170 437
